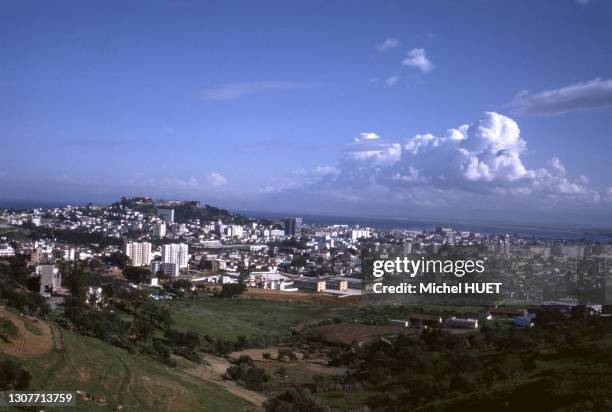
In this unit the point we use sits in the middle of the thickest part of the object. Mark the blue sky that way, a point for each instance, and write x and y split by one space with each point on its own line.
260 105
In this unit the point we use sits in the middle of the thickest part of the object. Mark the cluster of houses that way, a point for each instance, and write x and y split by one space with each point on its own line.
519 317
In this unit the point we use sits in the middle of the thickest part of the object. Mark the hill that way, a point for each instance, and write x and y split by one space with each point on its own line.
107 376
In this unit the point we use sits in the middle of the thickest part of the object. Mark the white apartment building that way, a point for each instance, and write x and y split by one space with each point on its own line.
234 231
176 253
139 253
359 233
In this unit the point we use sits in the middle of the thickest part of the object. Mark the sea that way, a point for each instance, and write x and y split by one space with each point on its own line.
523 230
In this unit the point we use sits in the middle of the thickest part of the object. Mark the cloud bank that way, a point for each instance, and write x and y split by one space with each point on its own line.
469 164
593 94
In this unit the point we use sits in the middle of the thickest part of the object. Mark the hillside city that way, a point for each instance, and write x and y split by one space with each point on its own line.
182 240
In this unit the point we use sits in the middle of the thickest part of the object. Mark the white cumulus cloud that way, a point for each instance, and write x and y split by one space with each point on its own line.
418 58
216 179
387 44
484 157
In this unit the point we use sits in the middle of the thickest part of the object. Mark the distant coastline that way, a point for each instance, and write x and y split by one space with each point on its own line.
551 232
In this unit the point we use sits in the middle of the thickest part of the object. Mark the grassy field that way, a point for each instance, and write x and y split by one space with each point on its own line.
229 318
112 377
347 333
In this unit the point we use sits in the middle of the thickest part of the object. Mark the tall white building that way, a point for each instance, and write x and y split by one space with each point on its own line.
139 253
176 253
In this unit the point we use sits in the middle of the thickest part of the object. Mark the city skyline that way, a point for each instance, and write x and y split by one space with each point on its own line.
447 110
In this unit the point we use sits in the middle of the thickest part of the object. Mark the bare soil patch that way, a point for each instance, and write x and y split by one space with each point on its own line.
212 371
26 344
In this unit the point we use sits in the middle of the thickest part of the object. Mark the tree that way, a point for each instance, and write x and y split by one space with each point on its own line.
142 330
229 290
137 274
118 259
245 273
76 283
13 376
463 383
296 400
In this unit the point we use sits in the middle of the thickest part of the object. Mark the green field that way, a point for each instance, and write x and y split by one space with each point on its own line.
229 318
120 378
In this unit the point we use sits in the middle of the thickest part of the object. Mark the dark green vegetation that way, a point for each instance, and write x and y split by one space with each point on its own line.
13 376
193 210
183 212
563 364
15 285
296 400
131 320
249 376
8 330
231 290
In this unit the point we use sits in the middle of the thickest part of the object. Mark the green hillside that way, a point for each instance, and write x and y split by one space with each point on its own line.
113 377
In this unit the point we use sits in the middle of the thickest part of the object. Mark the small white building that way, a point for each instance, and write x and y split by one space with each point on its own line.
50 279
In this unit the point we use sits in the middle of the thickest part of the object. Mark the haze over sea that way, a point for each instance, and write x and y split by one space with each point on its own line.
526 230
523 230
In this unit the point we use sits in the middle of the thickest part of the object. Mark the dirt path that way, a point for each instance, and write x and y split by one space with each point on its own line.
125 382
58 337
213 369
